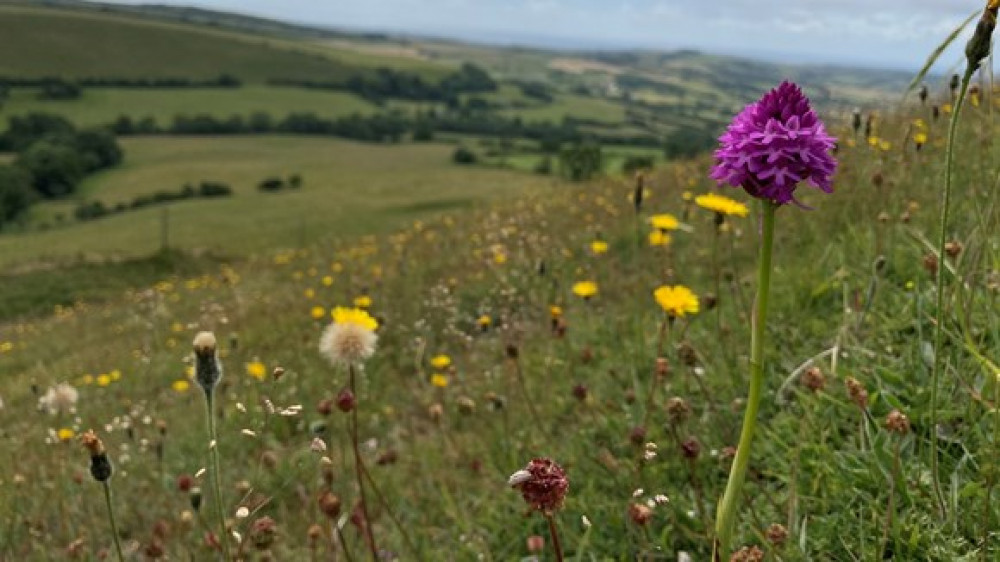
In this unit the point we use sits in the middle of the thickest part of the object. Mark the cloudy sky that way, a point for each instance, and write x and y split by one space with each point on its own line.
881 33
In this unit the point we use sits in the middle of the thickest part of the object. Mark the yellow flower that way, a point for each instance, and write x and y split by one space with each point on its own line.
721 204
439 380
676 301
6 347
499 258
659 238
65 434
180 385
363 301
327 280
555 311
687 195
885 145
103 379
177 327
946 108
317 312
87 379
116 374
873 141
920 138
585 289
355 316
599 247
309 293
189 372
664 221
484 321
440 361
919 123
257 370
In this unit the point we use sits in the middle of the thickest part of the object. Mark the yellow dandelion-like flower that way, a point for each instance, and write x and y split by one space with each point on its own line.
363 301
555 311
65 434
499 258
664 221
177 327
484 321
873 142
599 247
309 293
721 204
327 280
687 196
189 372
116 374
920 138
676 301
6 347
87 379
885 146
257 370
103 379
659 238
180 386
946 108
919 123
439 380
585 289
440 361
350 338
317 312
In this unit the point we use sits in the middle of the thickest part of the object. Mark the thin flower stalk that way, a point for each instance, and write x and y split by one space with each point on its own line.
359 471
728 506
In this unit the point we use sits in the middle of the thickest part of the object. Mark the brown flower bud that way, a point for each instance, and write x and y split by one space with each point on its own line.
813 379
678 410
637 435
329 504
953 248
748 554
640 514
857 392
897 422
930 264
777 534
691 448
346 400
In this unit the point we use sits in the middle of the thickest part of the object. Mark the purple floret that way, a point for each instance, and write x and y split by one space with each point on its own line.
775 144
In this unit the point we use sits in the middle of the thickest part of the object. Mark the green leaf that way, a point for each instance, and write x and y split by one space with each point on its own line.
936 53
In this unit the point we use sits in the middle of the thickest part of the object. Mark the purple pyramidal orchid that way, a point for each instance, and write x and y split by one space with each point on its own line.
775 144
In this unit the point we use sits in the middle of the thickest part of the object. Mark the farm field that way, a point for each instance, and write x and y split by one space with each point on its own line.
349 189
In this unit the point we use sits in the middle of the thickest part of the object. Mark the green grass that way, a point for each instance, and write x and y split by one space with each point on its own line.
100 106
572 105
350 188
71 44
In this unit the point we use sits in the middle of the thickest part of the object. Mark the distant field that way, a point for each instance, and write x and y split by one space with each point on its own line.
582 107
99 106
350 189
81 43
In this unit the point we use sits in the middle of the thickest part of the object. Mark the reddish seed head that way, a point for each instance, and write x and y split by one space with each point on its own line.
543 484
857 392
325 407
640 514
777 534
535 543
580 392
662 367
329 504
813 379
897 422
346 400
691 448
747 554
262 532
637 435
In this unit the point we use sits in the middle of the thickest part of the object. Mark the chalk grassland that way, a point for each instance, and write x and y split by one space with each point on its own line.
89 43
350 189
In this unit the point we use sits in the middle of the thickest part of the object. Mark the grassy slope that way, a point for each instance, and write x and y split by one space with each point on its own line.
350 188
99 106
50 42
817 457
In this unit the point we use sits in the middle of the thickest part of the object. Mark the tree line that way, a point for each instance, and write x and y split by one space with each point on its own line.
52 158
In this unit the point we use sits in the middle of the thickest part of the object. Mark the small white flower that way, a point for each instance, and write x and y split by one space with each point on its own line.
243 512
249 432
586 522
638 492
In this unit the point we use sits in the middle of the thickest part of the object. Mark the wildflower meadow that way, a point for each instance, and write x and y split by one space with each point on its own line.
785 349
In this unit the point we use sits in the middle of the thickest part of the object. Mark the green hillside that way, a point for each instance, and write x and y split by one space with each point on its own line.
74 44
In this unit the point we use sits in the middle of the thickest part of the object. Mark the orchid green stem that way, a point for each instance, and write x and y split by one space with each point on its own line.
939 288
728 505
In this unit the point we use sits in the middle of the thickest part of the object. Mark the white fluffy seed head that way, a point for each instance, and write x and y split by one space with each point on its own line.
347 344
